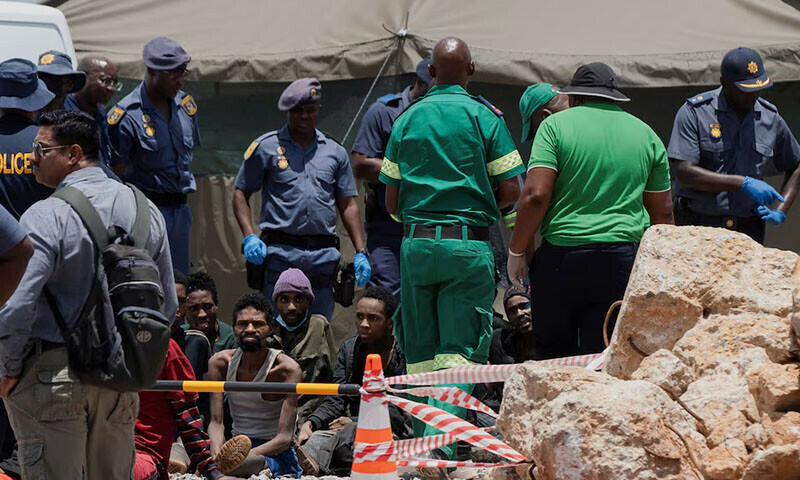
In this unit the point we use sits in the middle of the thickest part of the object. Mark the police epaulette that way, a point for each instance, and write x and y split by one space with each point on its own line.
700 99
389 97
767 104
494 109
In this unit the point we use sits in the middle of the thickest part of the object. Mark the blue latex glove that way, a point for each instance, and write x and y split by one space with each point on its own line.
760 191
363 269
773 217
255 251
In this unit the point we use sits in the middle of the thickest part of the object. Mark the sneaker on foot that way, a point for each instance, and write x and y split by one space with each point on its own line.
176 466
233 453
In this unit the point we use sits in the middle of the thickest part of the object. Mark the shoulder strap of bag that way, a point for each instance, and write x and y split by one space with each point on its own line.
141 226
91 219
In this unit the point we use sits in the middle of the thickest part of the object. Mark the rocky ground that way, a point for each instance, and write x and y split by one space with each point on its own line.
701 381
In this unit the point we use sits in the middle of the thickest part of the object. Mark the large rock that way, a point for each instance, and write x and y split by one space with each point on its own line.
701 379
684 275
666 370
581 425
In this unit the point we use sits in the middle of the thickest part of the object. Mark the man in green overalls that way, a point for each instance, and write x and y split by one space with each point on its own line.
449 166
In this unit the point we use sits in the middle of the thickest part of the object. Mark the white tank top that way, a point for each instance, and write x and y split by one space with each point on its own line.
252 415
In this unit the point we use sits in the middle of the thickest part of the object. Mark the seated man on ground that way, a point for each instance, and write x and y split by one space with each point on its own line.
263 424
514 342
308 339
328 435
201 323
162 415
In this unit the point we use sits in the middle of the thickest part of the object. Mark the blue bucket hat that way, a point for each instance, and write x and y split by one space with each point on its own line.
162 53
59 64
20 86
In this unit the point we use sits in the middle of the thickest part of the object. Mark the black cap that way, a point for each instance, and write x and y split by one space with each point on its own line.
743 66
422 70
595 80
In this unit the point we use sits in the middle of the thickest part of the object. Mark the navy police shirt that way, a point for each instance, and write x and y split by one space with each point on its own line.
18 186
298 187
707 132
373 135
157 152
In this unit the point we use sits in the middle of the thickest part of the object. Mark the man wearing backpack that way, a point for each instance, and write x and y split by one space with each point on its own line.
66 425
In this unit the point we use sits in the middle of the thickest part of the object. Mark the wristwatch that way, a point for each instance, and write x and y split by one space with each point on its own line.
364 251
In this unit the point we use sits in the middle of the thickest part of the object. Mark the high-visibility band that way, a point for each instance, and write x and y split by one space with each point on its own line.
503 164
256 387
390 169
439 362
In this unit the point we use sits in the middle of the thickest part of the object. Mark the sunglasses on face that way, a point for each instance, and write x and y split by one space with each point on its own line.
40 150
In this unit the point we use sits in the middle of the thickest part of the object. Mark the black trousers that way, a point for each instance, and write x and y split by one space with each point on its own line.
753 226
571 291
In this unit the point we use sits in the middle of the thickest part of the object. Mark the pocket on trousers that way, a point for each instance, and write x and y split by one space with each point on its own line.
126 409
30 457
58 395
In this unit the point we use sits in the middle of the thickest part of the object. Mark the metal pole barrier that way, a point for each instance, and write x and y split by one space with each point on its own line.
256 387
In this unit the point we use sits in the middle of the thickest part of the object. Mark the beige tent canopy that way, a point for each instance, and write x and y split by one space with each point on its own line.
651 43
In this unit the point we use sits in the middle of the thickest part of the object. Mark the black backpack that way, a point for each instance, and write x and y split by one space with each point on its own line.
121 338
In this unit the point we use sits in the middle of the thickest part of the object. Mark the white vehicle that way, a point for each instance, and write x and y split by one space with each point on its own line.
28 30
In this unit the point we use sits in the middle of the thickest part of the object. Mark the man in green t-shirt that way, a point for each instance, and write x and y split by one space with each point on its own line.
597 178
449 166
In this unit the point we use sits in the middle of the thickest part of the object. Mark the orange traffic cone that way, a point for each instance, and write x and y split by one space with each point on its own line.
374 431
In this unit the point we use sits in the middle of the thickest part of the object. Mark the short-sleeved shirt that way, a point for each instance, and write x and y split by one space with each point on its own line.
299 187
10 231
373 135
157 152
606 159
446 153
18 186
707 132
71 103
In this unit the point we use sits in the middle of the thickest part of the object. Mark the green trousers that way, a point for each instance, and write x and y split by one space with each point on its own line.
445 316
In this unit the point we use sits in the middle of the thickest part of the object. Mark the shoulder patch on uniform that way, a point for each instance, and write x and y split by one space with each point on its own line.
115 115
188 105
494 109
251 149
389 98
700 99
767 104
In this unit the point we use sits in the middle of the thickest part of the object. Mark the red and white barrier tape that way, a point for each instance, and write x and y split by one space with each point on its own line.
421 462
489 373
458 428
452 395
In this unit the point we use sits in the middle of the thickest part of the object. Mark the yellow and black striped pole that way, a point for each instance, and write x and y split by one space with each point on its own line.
257 387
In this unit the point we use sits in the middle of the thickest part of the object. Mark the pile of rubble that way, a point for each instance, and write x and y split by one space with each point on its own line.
702 379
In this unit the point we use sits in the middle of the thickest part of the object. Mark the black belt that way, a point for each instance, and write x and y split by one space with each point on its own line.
452 232
730 222
318 281
306 242
166 199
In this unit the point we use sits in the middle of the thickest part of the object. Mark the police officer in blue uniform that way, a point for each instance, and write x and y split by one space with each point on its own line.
55 70
384 234
153 132
102 81
723 143
22 95
304 177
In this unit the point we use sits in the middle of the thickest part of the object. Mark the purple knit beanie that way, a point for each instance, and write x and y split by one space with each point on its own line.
293 280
